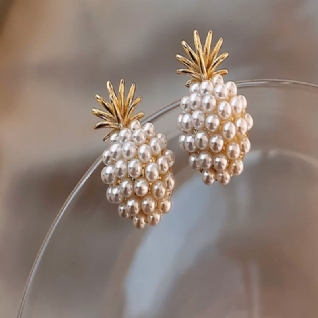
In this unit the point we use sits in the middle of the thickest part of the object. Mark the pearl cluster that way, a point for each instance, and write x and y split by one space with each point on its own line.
138 169
215 128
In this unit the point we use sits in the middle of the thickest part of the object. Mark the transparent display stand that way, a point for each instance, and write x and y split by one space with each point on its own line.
246 250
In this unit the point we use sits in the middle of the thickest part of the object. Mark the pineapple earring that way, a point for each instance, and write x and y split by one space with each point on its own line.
214 121
138 166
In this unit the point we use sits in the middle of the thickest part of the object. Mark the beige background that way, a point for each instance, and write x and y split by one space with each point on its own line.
55 55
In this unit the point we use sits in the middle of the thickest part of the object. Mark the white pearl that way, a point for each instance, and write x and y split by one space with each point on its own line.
109 193
153 219
152 172
139 222
144 153
249 121
107 175
208 103
236 105
163 165
141 187
158 189
148 204
201 140
149 130
113 137
179 122
212 123
236 167
216 143
186 122
163 140
185 104
169 154
194 88
206 87
224 110
124 135
245 145
139 137
129 150
233 150
205 160
115 151
189 143
198 119
194 162
220 162
243 100
107 158
229 130
169 181
217 79
122 211
182 139
208 177
134 125
155 146
134 168
223 177
231 87
126 188
120 168
116 195
164 205
195 101
241 126
133 206
220 92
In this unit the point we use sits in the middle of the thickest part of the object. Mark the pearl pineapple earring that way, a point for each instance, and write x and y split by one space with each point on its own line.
214 121
138 166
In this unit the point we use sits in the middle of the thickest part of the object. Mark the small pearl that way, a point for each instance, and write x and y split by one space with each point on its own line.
241 126
195 101
163 165
220 162
217 79
107 158
152 172
179 122
220 92
122 211
208 103
186 122
212 123
133 206
182 139
153 219
169 181
223 177
134 125
134 168
115 151
198 119
108 194
229 130
149 130
144 153
129 150
243 100
155 146
224 110
163 140
107 174
113 137
116 195
201 140
236 167
206 87
208 177
233 150
126 188
164 205
236 105
139 222
148 204
120 168
249 121
189 143
216 143
139 137
194 162
232 89
158 189
124 135
194 88
185 104
245 145
169 154
141 187
205 160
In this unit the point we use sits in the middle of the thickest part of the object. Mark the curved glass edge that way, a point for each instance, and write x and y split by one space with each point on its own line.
166 109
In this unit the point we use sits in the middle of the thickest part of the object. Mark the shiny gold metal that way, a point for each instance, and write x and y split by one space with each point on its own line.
203 62
119 110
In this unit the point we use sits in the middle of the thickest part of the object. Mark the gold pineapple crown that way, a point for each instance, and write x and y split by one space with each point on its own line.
119 111
203 61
